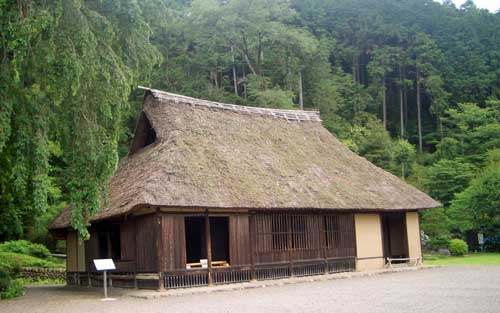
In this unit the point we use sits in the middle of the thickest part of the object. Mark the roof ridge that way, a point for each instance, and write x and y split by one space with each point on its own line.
290 115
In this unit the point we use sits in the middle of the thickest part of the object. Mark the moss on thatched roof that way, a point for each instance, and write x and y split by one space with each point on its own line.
213 155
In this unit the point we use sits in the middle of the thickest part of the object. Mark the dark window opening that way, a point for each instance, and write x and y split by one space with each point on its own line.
196 240
109 245
144 134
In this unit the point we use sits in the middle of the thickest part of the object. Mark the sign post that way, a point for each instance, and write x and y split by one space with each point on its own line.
105 265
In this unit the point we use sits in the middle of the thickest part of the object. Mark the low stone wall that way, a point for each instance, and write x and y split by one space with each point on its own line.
37 274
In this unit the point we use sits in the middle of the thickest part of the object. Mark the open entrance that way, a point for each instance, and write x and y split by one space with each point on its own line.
196 241
394 235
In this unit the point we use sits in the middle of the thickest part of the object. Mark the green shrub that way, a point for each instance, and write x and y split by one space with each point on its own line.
436 243
15 289
4 279
39 250
14 261
26 247
458 247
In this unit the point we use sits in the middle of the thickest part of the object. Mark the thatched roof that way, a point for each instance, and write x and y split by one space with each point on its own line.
214 155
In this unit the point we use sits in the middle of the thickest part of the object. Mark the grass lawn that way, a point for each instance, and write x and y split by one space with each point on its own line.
470 259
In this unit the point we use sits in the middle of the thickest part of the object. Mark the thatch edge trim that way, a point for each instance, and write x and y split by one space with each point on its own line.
289 115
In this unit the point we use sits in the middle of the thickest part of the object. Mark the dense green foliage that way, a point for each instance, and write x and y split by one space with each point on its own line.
411 85
25 247
15 289
4 279
458 247
15 255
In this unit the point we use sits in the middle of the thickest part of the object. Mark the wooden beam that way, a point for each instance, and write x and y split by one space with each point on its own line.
251 246
289 242
208 242
159 249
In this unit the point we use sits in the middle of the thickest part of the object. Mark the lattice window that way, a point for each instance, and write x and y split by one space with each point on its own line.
299 231
339 233
280 232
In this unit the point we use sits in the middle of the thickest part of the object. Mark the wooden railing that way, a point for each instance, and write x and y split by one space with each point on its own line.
235 274
186 278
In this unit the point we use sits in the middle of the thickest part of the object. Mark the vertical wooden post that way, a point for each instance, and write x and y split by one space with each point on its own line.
253 240
208 242
323 241
289 243
159 249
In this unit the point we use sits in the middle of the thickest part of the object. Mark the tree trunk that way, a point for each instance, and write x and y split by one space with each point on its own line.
354 69
384 103
419 115
301 100
235 83
401 111
401 107
441 128
244 82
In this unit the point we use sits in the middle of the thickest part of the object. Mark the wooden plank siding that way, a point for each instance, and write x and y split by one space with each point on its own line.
146 237
239 240
173 239
91 249
127 241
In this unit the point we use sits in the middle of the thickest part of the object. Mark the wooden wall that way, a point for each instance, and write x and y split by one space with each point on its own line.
146 243
239 240
294 237
172 243
157 242
71 252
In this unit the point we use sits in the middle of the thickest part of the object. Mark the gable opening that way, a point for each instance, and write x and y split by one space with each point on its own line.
144 134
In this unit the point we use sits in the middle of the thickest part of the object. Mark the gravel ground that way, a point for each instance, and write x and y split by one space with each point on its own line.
445 289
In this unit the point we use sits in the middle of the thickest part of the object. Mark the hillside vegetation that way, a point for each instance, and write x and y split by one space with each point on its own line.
412 85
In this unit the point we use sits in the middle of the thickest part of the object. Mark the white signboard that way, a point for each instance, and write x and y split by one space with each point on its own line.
480 238
104 264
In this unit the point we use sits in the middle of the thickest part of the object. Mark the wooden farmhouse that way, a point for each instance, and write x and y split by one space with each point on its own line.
214 193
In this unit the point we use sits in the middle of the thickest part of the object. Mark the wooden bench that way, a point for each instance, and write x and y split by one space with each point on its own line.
418 261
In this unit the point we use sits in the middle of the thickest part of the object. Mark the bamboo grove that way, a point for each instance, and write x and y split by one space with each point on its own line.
411 85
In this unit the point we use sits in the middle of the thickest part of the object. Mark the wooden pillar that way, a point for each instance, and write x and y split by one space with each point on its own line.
289 243
322 240
253 240
208 243
159 249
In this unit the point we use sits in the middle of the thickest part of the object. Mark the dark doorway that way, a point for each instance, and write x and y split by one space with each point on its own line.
195 239
394 235
219 234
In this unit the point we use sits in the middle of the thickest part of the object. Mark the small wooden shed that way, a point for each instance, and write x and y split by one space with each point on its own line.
214 193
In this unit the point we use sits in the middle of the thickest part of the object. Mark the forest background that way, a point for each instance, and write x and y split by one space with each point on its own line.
411 85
